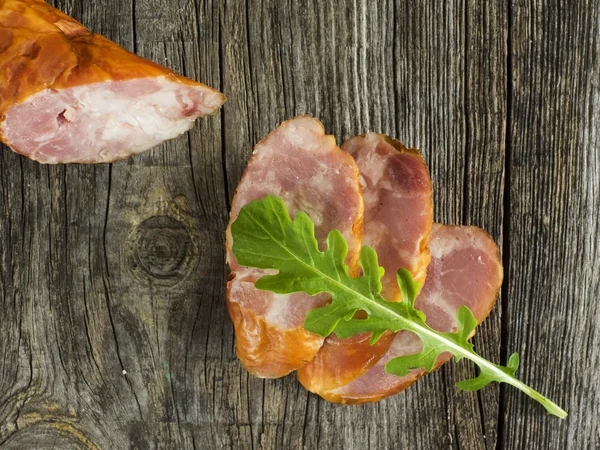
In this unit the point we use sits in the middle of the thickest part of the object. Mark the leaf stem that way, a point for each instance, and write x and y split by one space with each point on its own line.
404 323
501 376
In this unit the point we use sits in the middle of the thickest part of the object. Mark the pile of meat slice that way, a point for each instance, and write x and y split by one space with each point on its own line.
376 192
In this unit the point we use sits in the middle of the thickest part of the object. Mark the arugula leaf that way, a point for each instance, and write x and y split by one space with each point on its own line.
265 237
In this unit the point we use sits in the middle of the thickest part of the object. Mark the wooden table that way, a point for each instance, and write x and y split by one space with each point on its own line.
114 332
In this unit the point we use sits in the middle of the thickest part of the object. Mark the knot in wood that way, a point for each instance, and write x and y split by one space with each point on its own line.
164 248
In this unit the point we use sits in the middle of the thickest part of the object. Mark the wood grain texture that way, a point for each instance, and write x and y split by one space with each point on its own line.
114 332
553 286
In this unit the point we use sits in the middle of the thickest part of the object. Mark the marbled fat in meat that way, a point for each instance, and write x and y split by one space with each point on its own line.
300 164
398 206
465 269
398 217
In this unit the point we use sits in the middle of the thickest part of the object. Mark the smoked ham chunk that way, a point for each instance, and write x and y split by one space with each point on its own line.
71 96
465 269
397 191
300 164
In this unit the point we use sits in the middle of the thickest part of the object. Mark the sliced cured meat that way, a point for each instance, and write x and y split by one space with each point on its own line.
68 95
465 269
398 218
270 338
398 206
300 164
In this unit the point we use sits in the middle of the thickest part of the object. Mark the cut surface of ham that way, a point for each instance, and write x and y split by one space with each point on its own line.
456 265
397 192
300 164
465 269
70 96
398 206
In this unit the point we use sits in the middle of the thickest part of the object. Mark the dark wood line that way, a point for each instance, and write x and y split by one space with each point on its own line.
395 68
502 403
248 399
106 284
306 417
228 198
249 49
134 27
465 199
23 200
448 414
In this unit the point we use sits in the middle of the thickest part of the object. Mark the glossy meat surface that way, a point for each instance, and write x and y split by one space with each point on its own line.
398 206
398 218
68 95
300 164
465 269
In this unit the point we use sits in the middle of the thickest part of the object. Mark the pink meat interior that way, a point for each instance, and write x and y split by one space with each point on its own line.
103 122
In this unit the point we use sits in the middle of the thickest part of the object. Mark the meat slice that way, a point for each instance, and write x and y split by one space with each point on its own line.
300 164
398 218
398 206
68 95
465 269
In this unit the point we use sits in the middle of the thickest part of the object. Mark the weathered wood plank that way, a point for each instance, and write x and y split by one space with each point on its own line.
54 274
400 69
171 236
106 269
483 190
117 268
554 281
152 218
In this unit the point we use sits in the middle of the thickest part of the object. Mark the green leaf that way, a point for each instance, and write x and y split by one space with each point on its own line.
486 376
265 237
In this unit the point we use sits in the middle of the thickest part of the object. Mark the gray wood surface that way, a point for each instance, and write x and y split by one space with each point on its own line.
113 327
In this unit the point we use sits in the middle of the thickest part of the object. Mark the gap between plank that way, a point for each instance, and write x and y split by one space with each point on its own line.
506 227
228 199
